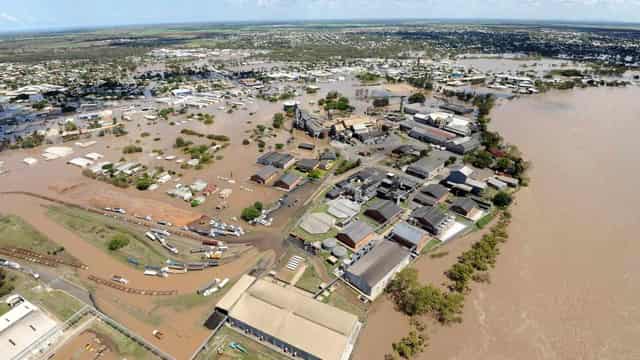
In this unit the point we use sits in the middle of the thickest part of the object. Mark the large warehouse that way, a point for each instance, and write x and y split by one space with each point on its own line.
295 323
372 272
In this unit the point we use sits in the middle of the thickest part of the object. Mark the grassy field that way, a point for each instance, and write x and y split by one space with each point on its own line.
56 302
310 280
125 347
18 233
224 337
99 230
346 299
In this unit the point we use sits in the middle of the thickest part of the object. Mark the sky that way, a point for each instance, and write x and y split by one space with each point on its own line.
45 14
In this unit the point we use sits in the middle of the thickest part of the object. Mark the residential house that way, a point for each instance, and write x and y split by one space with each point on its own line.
356 235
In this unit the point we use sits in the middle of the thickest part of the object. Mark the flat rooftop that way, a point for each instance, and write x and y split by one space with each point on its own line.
24 324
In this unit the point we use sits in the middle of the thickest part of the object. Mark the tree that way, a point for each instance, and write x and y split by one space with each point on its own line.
144 182
278 120
315 174
502 199
250 213
118 241
417 98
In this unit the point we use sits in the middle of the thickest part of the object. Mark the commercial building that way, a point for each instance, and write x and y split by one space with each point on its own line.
275 159
265 174
383 211
22 326
288 181
297 324
373 271
426 168
432 219
356 235
410 236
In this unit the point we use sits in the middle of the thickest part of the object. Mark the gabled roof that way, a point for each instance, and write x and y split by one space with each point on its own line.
377 263
409 233
357 231
435 190
386 209
432 216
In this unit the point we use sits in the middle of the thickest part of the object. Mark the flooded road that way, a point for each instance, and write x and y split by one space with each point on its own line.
567 284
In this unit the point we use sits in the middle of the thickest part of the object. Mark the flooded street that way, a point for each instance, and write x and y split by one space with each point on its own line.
567 284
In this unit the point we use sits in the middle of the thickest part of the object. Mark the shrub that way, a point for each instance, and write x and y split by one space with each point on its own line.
502 199
130 149
118 242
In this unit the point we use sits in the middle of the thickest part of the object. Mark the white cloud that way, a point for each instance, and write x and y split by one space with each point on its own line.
4 17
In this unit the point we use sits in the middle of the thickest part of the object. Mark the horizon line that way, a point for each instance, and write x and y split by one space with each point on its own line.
346 21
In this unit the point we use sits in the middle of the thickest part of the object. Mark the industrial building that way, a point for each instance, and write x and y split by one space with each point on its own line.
22 326
371 273
298 325
356 235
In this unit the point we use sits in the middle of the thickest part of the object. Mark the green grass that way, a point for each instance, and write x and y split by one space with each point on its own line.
4 308
485 220
125 346
57 303
433 243
18 233
99 230
310 280
347 299
255 350
298 231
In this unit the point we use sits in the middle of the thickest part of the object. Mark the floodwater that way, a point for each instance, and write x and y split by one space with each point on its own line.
567 283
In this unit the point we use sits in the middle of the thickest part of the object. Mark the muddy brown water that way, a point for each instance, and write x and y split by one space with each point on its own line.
567 284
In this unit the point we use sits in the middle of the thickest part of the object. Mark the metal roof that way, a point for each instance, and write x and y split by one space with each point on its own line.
376 264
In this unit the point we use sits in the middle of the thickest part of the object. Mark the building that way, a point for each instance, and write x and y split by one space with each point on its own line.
435 191
307 165
264 175
276 159
356 235
426 168
311 124
459 174
463 206
288 181
432 219
373 271
296 324
22 326
409 236
383 211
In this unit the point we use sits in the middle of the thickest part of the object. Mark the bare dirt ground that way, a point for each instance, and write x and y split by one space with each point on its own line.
85 346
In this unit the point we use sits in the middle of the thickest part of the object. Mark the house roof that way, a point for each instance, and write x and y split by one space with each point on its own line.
266 172
386 209
464 203
429 215
307 163
289 179
424 199
465 170
377 263
409 233
357 231
435 190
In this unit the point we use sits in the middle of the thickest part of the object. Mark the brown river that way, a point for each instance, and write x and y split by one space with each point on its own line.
567 284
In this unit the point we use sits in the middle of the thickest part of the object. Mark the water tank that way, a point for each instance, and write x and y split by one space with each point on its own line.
329 243
339 251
